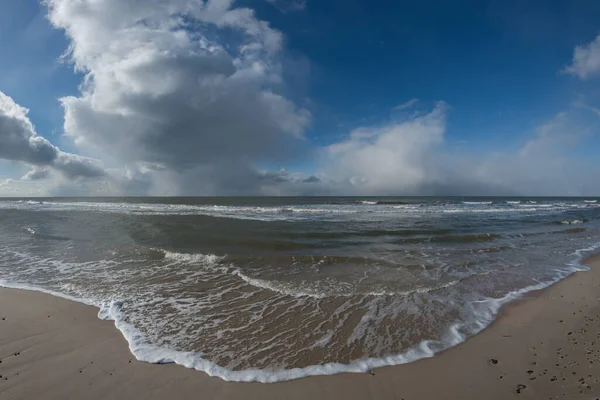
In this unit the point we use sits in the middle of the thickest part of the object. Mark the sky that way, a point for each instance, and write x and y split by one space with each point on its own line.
299 97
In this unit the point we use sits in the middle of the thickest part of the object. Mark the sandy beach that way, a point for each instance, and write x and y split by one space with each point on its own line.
546 346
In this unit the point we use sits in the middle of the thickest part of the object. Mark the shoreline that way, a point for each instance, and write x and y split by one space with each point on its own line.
519 325
362 366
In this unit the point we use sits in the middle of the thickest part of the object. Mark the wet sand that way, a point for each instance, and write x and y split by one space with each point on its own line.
546 346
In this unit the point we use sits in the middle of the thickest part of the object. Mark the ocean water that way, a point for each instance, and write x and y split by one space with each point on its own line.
272 289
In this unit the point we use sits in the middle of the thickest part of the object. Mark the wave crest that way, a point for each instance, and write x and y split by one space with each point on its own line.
303 290
572 222
187 257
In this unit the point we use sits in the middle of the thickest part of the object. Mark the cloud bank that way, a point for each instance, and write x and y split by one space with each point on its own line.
187 97
20 142
412 157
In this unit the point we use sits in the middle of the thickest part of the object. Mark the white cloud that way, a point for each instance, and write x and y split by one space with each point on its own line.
186 97
163 86
389 159
410 157
586 60
406 105
558 134
20 142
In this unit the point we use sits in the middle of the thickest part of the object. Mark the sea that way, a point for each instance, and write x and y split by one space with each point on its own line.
273 289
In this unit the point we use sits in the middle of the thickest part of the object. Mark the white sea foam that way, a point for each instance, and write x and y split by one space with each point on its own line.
143 349
25 286
487 309
30 230
263 213
541 207
513 202
302 289
487 210
166 295
366 202
572 222
288 289
416 207
409 292
191 258
285 213
590 201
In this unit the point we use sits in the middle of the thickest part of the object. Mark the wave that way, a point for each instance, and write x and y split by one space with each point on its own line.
481 237
185 257
287 212
590 201
572 222
143 350
468 238
535 204
513 202
46 236
23 286
485 310
146 351
284 288
308 210
575 230
525 209
295 289
361 233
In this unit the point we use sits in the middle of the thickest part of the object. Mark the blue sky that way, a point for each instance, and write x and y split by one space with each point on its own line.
496 63
499 67
30 69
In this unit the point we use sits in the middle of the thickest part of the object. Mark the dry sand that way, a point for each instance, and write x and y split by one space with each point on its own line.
544 347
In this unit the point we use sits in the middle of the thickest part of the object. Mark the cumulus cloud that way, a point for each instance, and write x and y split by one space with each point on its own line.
20 142
392 158
190 86
187 97
586 60
411 157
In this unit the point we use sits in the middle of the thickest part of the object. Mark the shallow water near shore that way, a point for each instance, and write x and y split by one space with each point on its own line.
270 289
